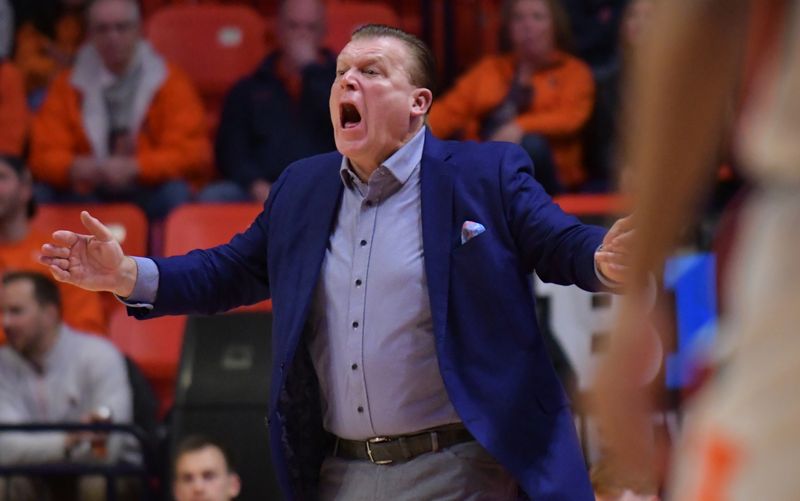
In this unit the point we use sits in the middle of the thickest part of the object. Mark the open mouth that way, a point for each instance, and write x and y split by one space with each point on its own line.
349 115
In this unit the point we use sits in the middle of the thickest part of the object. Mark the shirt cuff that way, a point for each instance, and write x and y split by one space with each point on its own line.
146 286
611 284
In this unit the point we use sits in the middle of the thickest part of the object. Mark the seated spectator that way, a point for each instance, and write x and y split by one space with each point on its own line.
48 36
203 470
13 111
20 246
278 114
123 124
50 373
535 95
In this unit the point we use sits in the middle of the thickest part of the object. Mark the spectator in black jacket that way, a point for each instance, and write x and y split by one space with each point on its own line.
279 113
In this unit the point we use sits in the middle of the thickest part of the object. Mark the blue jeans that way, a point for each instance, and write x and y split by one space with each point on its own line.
223 191
156 201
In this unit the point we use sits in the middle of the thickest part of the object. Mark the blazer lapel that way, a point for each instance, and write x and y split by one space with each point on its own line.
436 187
312 233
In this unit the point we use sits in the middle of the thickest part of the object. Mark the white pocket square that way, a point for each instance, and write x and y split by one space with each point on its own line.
470 230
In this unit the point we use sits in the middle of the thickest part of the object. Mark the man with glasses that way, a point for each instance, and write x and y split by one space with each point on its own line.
122 124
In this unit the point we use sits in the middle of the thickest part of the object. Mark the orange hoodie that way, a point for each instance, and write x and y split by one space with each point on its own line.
563 97
172 142
13 111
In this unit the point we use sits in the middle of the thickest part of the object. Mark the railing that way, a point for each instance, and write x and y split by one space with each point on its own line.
146 471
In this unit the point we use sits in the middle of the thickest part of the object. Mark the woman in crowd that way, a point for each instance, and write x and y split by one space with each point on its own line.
534 94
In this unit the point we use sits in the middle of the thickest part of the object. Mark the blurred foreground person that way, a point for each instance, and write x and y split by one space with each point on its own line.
741 440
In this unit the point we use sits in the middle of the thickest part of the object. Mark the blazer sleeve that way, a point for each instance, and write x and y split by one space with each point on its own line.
556 245
212 280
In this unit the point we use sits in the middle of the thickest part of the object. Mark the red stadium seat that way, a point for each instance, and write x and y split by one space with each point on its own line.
215 44
345 16
126 221
155 346
198 226
593 205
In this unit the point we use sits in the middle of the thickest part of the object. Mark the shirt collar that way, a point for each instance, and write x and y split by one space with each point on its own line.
400 165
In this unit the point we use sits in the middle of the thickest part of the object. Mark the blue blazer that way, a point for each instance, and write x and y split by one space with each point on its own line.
492 358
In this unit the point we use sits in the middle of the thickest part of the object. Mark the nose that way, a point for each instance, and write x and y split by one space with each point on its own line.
348 80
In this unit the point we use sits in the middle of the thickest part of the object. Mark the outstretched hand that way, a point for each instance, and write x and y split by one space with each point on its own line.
94 262
614 254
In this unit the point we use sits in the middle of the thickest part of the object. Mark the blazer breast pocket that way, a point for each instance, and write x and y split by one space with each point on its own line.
472 245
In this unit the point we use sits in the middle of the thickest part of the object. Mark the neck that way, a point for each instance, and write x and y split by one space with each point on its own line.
14 228
529 64
365 168
118 70
45 346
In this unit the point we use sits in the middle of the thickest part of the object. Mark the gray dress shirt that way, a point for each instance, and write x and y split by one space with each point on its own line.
372 340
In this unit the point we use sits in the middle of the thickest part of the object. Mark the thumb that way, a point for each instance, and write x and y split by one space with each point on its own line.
96 228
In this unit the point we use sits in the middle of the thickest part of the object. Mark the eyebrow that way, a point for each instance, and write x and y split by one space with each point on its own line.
366 60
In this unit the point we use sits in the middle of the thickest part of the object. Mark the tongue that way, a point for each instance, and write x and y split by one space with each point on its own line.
350 125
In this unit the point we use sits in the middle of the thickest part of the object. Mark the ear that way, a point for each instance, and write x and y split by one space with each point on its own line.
422 99
234 485
26 186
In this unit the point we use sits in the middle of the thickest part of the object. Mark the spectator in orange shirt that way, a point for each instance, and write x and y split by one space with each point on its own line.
13 112
535 95
20 245
122 124
48 36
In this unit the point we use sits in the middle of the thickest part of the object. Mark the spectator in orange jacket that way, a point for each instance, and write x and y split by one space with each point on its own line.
536 95
48 36
20 246
13 111
123 124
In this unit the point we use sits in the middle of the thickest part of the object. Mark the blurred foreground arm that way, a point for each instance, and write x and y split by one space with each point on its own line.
683 84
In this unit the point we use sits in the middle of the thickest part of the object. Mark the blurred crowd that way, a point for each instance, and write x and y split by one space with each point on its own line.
99 114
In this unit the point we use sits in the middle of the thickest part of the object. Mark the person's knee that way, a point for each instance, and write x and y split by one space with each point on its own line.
536 145
223 191
163 199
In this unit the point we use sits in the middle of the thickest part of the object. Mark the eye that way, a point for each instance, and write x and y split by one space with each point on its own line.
369 71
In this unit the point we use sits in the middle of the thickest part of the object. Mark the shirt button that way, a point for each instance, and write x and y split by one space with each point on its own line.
354 366
355 325
358 282
363 243
360 409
